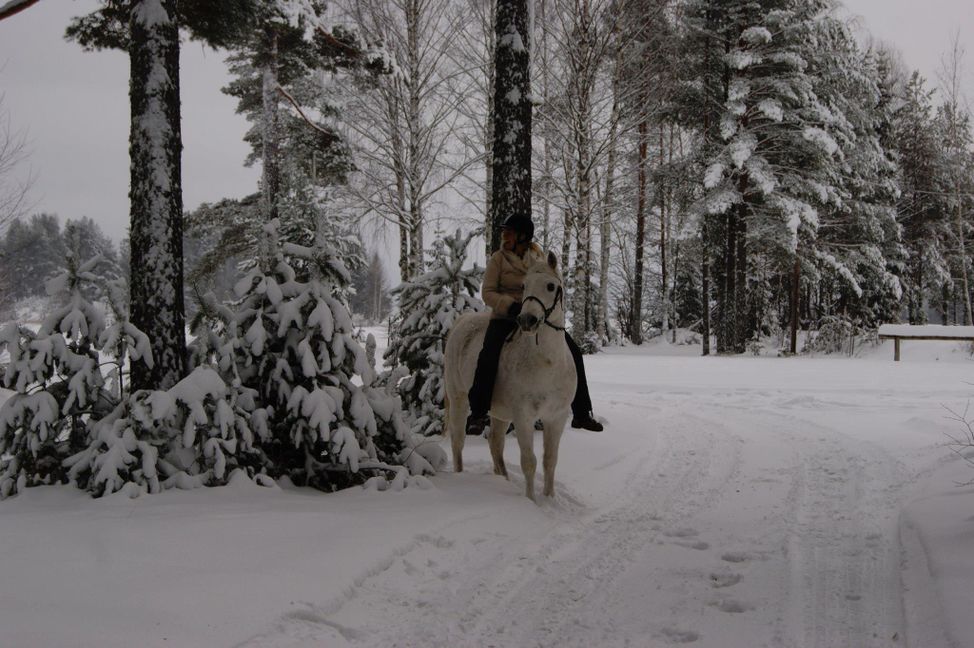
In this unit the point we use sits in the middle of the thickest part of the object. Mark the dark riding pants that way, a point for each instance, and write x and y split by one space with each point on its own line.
482 390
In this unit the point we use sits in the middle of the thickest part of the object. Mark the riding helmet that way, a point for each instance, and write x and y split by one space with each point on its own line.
521 224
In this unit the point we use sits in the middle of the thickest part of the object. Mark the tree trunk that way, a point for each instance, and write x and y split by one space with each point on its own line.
636 318
155 193
661 191
705 283
511 190
414 172
583 176
546 183
270 132
491 236
605 229
568 225
962 257
795 292
741 329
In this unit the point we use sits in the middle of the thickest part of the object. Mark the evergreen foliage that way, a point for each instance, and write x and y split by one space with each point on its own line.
59 386
371 298
288 344
428 307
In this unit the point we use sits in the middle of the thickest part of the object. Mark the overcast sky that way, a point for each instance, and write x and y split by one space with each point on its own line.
74 105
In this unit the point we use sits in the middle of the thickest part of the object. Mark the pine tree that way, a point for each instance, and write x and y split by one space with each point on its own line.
33 252
278 83
371 298
511 171
856 255
764 177
295 349
58 383
428 307
149 31
921 212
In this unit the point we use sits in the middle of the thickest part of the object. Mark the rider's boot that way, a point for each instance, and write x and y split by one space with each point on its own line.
476 423
585 421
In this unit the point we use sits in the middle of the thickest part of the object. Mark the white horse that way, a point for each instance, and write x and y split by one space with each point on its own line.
535 381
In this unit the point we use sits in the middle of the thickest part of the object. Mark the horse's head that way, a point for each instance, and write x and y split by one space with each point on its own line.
543 301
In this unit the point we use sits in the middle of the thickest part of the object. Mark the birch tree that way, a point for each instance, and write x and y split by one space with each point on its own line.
15 182
954 122
404 129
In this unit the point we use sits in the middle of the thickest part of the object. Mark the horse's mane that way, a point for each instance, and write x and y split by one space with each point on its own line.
541 265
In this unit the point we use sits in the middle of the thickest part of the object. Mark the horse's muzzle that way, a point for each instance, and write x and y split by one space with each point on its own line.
529 323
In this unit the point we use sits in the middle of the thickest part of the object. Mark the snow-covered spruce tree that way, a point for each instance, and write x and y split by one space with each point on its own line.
277 70
852 269
428 307
317 424
193 434
765 174
58 383
63 425
923 214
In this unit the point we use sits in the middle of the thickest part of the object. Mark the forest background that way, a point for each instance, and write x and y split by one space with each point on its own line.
738 170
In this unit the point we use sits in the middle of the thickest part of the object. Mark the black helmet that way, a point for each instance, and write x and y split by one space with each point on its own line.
521 224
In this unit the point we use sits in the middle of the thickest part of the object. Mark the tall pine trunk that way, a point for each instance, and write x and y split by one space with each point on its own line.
155 193
270 131
636 317
962 258
741 315
492 234
661 192
512 113
705 282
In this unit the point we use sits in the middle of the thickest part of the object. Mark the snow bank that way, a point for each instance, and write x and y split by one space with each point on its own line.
731 502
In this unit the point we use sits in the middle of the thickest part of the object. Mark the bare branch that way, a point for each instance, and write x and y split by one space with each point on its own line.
14 7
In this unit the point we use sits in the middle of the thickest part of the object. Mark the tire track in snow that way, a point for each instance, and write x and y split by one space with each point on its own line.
821 566
559 590
569 600
843 549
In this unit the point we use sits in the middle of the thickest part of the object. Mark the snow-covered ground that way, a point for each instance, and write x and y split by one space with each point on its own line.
730 502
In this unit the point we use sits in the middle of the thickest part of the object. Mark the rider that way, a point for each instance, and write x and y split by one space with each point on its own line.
502 291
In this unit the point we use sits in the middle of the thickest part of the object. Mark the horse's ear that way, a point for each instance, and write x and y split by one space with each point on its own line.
552 260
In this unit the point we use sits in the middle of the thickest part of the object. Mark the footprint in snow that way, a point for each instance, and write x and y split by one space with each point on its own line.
730 606
735 557
677 635
681 533
698 545
727 579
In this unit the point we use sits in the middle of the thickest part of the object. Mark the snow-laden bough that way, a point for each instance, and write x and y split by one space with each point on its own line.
536 379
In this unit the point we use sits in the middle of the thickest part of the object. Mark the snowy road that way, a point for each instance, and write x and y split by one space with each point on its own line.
763 515
730 503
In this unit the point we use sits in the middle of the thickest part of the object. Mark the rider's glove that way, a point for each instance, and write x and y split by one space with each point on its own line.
514 310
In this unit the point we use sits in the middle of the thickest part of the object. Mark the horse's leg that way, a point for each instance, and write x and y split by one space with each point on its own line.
457 415
524 428
496 436
552 437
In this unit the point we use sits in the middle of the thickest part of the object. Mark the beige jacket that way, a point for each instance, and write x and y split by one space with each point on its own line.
504 278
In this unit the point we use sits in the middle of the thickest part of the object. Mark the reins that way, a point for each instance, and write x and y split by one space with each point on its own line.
559 297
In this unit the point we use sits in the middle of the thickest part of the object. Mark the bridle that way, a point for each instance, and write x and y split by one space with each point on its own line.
548 310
